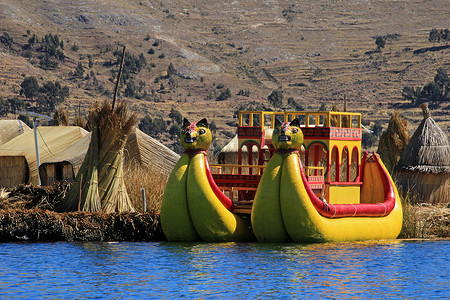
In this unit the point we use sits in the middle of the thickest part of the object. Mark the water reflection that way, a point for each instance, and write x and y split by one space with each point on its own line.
384 269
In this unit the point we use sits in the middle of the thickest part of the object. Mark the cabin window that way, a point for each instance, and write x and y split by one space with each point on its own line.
354 167
256 120
302 119
334 166
343 170
267 120
316 156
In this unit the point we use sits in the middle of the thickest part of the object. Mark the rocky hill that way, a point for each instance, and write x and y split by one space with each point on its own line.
210 58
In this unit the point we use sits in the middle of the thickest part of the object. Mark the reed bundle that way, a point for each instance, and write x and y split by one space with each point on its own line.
393 141
101 175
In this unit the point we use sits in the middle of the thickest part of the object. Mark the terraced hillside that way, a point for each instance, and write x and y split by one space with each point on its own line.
316 52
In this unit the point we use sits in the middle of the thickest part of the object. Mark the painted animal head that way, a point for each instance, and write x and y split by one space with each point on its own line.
287 135
196 135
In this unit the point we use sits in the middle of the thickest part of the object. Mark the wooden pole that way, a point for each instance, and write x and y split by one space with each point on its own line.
81 189
118 78
144 200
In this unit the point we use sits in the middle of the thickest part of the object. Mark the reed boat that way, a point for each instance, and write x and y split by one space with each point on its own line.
322 189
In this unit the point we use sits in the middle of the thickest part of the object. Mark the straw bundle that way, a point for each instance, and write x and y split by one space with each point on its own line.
101 174
393 141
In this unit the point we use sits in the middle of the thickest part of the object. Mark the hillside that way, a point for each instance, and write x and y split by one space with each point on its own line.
316 52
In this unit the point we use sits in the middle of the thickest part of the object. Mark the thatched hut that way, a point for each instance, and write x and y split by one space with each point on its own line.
18 162
9 129
65 165
424 167
229 154
140 150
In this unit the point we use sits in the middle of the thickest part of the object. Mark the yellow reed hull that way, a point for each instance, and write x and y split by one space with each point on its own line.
305 224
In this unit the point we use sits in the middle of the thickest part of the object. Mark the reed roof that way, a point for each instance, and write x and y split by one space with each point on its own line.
9 129
139 148
428 150
150 153
52 140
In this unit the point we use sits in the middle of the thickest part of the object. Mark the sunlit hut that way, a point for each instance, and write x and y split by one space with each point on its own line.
18 161
141 151
393 141
424 167
100 183
229 154
9 129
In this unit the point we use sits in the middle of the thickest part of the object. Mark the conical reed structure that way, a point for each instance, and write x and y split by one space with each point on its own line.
101 174
424 166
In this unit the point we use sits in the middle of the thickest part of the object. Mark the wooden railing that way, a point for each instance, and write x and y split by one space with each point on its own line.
264 119
237 169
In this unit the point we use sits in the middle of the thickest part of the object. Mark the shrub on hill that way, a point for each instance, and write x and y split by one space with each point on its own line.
434 91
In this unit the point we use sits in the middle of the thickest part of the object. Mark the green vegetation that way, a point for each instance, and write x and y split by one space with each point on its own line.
245 93
152 127
370 139
439 36
47 97
224 95
276 98
435 91
295 105
6 39
381 40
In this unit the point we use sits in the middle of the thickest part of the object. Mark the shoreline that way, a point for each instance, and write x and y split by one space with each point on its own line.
40 225
37 225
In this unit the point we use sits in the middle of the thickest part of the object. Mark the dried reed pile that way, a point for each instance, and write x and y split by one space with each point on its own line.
30 197
424 220
101 175
154 183
44 225
424 166
393 141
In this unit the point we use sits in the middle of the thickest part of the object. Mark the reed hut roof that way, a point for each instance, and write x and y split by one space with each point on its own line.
148 152
140 149
52 140
233 146
9 129
428 150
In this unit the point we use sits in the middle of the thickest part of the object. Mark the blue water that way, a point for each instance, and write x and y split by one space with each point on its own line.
390 269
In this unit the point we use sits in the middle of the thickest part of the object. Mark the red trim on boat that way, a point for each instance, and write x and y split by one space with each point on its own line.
355 210
219 194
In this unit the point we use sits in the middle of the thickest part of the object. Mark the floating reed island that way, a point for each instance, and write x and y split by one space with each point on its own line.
104 202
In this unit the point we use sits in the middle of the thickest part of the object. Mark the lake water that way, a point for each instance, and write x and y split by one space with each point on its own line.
383 269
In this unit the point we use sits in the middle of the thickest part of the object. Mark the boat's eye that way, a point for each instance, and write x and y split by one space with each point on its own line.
202 131
276 130
294 130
